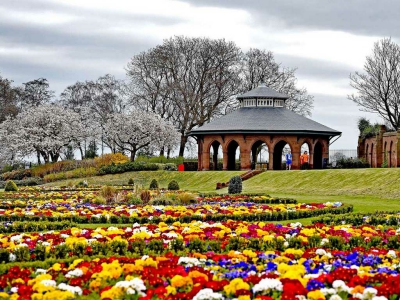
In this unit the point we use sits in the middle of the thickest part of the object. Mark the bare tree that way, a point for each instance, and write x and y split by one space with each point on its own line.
36 92
186 80
259 66
378 88
95 101
9 97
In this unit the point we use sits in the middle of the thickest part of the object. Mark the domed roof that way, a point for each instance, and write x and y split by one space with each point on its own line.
264 92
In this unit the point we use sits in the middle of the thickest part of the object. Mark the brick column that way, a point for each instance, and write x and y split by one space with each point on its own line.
225 160
245 161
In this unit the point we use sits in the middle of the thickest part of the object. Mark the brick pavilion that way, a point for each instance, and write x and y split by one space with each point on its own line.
262 119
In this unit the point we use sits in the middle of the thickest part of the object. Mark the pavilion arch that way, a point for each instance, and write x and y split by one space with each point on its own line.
259 154
216 149
317 155
278 153
367 154
231 148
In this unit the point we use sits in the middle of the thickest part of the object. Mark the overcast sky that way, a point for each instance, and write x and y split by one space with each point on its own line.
74 40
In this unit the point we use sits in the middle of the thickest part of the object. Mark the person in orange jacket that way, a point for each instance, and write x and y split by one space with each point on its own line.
304 160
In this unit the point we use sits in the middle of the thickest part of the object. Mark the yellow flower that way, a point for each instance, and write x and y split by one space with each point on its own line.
315 295
179 281
171 290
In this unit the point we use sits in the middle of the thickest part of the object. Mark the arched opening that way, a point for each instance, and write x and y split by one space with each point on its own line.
367 154
280 150
216 156
259 156
233 155
317 160
390 164
372 156
305 156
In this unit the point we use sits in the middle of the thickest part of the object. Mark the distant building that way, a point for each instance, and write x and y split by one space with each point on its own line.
380 148
262 119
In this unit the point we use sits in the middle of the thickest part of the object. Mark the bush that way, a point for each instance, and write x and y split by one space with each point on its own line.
235 185
25 182
185 198
16 175
131 182
350 163
154 184
161 201
145 196
108 192
110 158
10 186
127 167
99 200
170 167
173 185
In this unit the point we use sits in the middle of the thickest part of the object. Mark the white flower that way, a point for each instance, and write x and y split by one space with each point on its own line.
16 238
335 297
40 271
70 288
324 241
340 285
327 291
74 273
379 298
369 293
206 294
64 236
144 257
14 290
392 254
189 261
49 282
286 244
268 284
12 257
320 252
134 286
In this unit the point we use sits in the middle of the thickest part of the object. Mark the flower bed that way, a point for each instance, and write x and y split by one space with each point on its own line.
82 212
196 236
292 274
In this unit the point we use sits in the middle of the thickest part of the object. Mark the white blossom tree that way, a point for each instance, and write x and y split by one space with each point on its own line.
45 129
139 129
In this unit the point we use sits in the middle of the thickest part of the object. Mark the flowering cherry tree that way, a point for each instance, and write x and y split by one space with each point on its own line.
139 129
45 129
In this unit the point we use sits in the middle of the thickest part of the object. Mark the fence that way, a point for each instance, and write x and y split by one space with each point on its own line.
335 155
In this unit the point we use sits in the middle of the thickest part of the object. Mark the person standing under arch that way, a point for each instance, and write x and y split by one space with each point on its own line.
304 161
289 160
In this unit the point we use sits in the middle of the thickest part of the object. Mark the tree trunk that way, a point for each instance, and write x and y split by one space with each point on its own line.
133 154
182 145
38 158
81 151
162 151
168 153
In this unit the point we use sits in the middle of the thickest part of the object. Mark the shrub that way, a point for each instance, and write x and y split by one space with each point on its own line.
10 186
170 167
235 185
131 182
99 200
185 198
173 185
161 201
108 192
16 175
145 196
154 184
110 158
127 167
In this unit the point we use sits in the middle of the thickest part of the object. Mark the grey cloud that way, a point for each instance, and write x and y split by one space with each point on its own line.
315 68
366 17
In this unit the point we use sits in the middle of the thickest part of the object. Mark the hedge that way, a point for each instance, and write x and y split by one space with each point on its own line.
20 227
127 167
24 182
